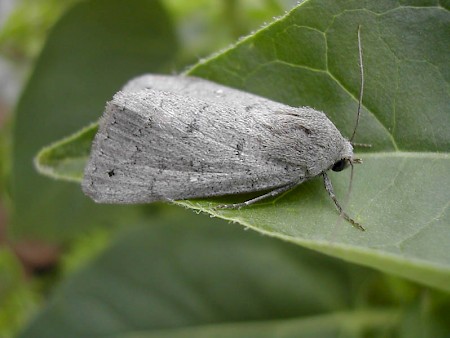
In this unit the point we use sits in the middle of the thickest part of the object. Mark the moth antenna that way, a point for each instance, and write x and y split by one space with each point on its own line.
361 90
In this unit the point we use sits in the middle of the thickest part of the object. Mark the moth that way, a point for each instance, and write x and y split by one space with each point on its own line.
164 138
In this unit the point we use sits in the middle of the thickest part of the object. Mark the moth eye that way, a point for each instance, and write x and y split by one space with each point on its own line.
339 165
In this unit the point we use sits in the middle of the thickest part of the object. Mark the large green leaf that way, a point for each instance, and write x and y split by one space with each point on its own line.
197 275
89 53
18 300
310 57
401 192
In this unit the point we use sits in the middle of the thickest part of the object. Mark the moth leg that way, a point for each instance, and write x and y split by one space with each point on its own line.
329 188
361 145
272 193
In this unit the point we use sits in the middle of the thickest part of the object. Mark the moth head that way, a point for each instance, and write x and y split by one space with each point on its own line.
340 164
345 158
343 163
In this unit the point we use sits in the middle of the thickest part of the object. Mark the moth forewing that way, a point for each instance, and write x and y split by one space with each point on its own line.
155 145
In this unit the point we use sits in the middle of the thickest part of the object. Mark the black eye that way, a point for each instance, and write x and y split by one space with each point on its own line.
339 165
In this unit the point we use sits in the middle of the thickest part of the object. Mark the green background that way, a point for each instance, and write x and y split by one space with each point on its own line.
162 271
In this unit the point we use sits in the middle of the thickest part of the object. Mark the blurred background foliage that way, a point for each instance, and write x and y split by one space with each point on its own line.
202 27
54 266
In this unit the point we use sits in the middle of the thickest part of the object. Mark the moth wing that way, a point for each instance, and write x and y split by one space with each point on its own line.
207 91
154 145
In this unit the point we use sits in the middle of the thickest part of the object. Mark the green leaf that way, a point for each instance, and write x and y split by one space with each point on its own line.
195 275
18 301
66 159
400 193
95 47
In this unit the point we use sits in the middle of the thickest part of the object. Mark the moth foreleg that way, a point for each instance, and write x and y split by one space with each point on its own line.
361 145
329 188
272 193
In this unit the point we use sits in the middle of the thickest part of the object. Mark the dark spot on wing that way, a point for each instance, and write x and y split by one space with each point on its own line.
149 122
137 132
192 126
240 147
249 108
306 130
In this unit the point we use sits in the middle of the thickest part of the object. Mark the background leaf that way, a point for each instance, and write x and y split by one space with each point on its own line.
194 275
88 55
400 193
18 299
